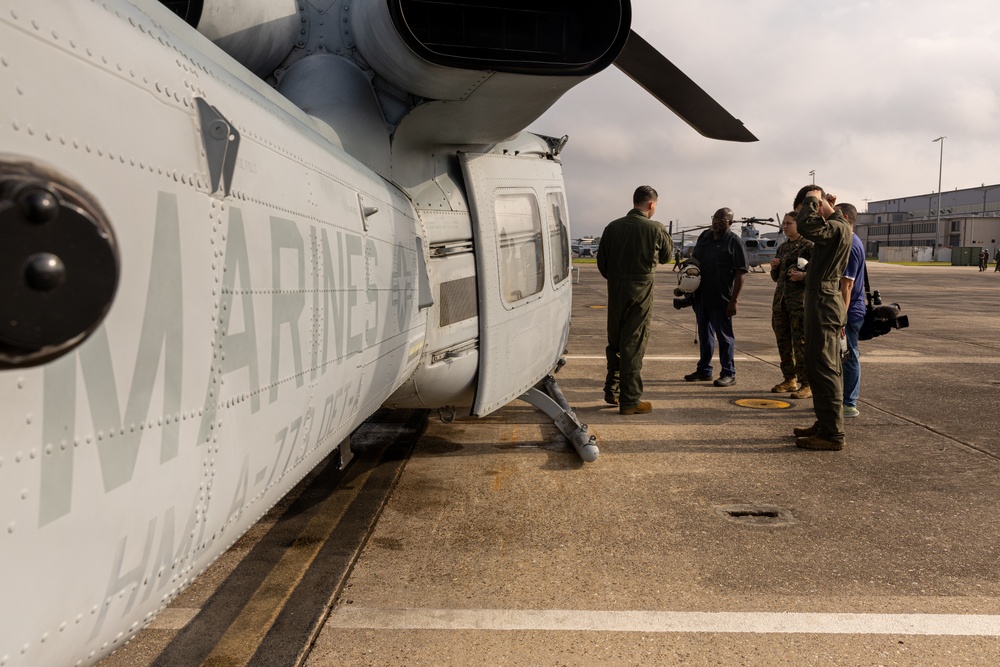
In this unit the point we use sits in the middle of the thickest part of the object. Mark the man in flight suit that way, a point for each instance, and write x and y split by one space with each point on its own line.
630 249
825 315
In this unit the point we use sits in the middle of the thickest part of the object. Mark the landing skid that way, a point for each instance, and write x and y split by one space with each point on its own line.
547 397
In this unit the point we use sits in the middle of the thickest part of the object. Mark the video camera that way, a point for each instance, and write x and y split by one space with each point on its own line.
881 318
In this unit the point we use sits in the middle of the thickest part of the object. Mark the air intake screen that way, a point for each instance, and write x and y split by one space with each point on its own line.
189 10
538 36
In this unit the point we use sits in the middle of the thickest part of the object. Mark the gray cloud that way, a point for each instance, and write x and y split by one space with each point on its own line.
852 89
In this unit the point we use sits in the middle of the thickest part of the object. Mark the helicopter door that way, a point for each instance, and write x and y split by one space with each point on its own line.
521 326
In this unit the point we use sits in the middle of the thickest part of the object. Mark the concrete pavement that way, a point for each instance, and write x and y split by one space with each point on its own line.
499 546
701 536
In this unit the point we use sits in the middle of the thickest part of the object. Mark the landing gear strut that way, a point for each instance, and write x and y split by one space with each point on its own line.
547 397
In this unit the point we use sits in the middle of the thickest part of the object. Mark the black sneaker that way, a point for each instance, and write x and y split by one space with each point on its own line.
698 377
725 381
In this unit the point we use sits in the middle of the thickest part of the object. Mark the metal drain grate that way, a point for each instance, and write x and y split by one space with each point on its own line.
756 515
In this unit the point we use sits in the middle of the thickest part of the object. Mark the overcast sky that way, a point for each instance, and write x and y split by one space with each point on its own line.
854 90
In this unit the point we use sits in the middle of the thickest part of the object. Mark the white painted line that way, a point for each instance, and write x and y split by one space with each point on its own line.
973 625
648 357
865 359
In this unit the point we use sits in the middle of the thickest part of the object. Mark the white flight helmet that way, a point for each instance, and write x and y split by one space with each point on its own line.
689 279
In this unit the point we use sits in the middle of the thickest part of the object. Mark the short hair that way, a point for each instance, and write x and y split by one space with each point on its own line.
727 214
790 214
801 196
849 211
643 195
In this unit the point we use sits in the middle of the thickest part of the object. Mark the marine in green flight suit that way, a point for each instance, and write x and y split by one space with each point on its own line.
630 249
825 315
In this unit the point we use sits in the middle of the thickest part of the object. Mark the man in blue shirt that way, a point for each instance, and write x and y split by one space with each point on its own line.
852 288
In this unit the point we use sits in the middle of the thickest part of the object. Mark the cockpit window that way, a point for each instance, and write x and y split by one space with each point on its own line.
519 228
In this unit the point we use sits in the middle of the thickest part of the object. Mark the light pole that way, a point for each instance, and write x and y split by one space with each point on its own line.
937 225
813 174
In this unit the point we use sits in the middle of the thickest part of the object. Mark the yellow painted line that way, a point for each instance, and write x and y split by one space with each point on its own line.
173 618
241 640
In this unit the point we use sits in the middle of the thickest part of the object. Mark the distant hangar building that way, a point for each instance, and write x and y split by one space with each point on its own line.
969 218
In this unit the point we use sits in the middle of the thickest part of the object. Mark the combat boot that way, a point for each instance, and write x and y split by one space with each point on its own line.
610 399
818 442
805 432
642 408
803 392
789 384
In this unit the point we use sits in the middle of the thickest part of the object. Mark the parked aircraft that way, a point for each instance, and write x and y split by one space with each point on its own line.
585 246
231 231
760 249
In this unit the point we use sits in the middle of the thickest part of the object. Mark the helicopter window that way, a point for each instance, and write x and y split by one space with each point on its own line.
558 238
519 230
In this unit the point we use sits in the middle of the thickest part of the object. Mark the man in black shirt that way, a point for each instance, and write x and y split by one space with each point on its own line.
723 262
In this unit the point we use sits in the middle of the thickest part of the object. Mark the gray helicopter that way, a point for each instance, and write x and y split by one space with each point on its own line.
760 249
232 230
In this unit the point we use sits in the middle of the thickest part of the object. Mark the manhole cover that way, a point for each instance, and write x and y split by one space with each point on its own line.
756 515
762 404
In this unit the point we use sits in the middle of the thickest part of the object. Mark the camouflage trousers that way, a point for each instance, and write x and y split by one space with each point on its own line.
787 318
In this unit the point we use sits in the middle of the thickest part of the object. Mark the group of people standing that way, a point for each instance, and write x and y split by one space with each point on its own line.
817 311
984 259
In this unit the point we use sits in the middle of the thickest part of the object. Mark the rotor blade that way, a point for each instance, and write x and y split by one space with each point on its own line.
664 81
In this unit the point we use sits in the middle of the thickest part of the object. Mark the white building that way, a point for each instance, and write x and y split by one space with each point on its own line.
968 218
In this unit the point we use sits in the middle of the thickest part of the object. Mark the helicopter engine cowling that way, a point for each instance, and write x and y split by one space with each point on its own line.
446 71
483 90
419 46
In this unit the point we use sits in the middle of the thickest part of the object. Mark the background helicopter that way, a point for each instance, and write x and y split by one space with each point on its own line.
760 249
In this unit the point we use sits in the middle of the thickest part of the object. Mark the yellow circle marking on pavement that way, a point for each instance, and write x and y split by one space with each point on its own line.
762 404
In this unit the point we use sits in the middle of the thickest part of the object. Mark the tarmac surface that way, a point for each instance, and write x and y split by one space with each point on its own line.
700 536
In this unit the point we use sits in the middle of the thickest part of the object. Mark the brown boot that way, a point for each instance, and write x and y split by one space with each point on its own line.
818 442
803 392
789 384
805 432
642 408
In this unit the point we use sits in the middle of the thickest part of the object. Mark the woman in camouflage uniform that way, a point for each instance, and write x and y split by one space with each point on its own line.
787 309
